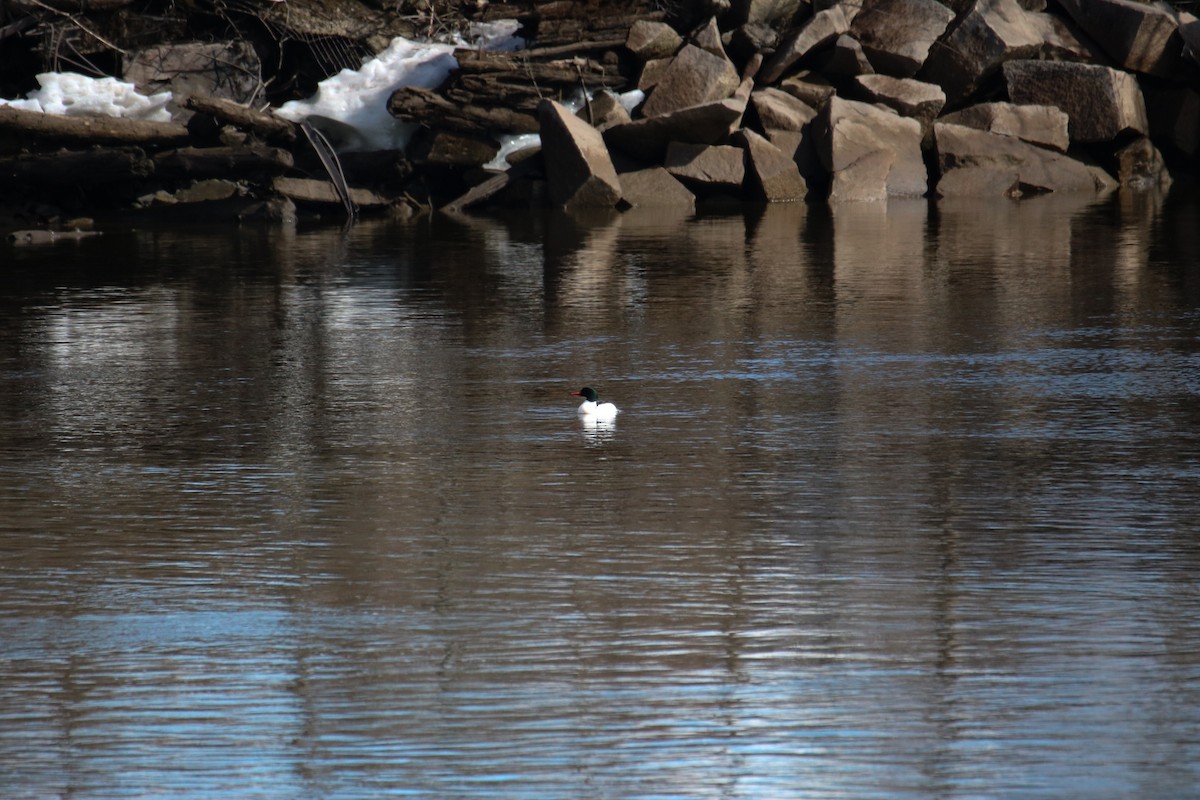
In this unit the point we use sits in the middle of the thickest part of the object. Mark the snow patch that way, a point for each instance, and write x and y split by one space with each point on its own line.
73 95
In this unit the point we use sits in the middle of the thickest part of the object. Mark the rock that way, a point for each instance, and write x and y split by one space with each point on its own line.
652 72
974 163
654 187
990 33
898 34
652 40
870 153
451 148
1059 42
578 168
798 146
809 88
226 70
1137 36
28 237
1141 166
707 166
708 38
770 174
647 139
694 77
605 110
907 96
1101 102
1040 125
846 60
779 13
749 40
315 192
823 27
778 110
1174 116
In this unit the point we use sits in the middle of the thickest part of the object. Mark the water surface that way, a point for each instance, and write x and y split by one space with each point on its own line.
901 503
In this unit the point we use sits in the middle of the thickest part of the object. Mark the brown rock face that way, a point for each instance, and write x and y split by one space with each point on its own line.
578 168
898 34
694 77
1101 103
870 154
975 163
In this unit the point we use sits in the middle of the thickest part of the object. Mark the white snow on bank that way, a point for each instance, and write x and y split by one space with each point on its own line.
72 95
351 107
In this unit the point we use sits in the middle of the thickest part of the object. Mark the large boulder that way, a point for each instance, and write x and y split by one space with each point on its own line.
778 110
846 60
649 40
695 76
1138 36
898 34
870 153
767 12
907 96
579 171
647 139
990 33
771 175
1041 125
974 163
1102 103
823 27
229 70
707 167
655 187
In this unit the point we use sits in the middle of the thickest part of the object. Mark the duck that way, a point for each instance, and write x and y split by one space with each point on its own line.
590 409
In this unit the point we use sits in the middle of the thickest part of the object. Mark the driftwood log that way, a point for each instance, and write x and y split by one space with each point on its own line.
214 162
426 107
20 124
266 126
94 167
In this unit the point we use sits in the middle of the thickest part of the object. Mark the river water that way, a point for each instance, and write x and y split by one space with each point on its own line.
902 503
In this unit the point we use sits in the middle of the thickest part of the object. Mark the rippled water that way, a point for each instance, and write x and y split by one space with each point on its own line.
902 503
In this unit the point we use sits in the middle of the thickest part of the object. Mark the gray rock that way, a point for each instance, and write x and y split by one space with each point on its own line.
655 187
647 139
898 34
578 168
652 72
229 70
695 76
1102 103
652 40
771 175
823 27
990 33
707 166
870 153
974 163
779 110
1138 36
1041 125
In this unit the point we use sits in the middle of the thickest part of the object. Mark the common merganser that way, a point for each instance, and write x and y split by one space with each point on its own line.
591 410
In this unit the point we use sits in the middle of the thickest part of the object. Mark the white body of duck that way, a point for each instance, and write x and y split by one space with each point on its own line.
592 410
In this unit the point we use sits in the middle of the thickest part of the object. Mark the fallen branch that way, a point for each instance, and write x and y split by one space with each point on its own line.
88 130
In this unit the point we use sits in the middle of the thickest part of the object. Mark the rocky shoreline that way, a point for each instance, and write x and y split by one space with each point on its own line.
683 103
